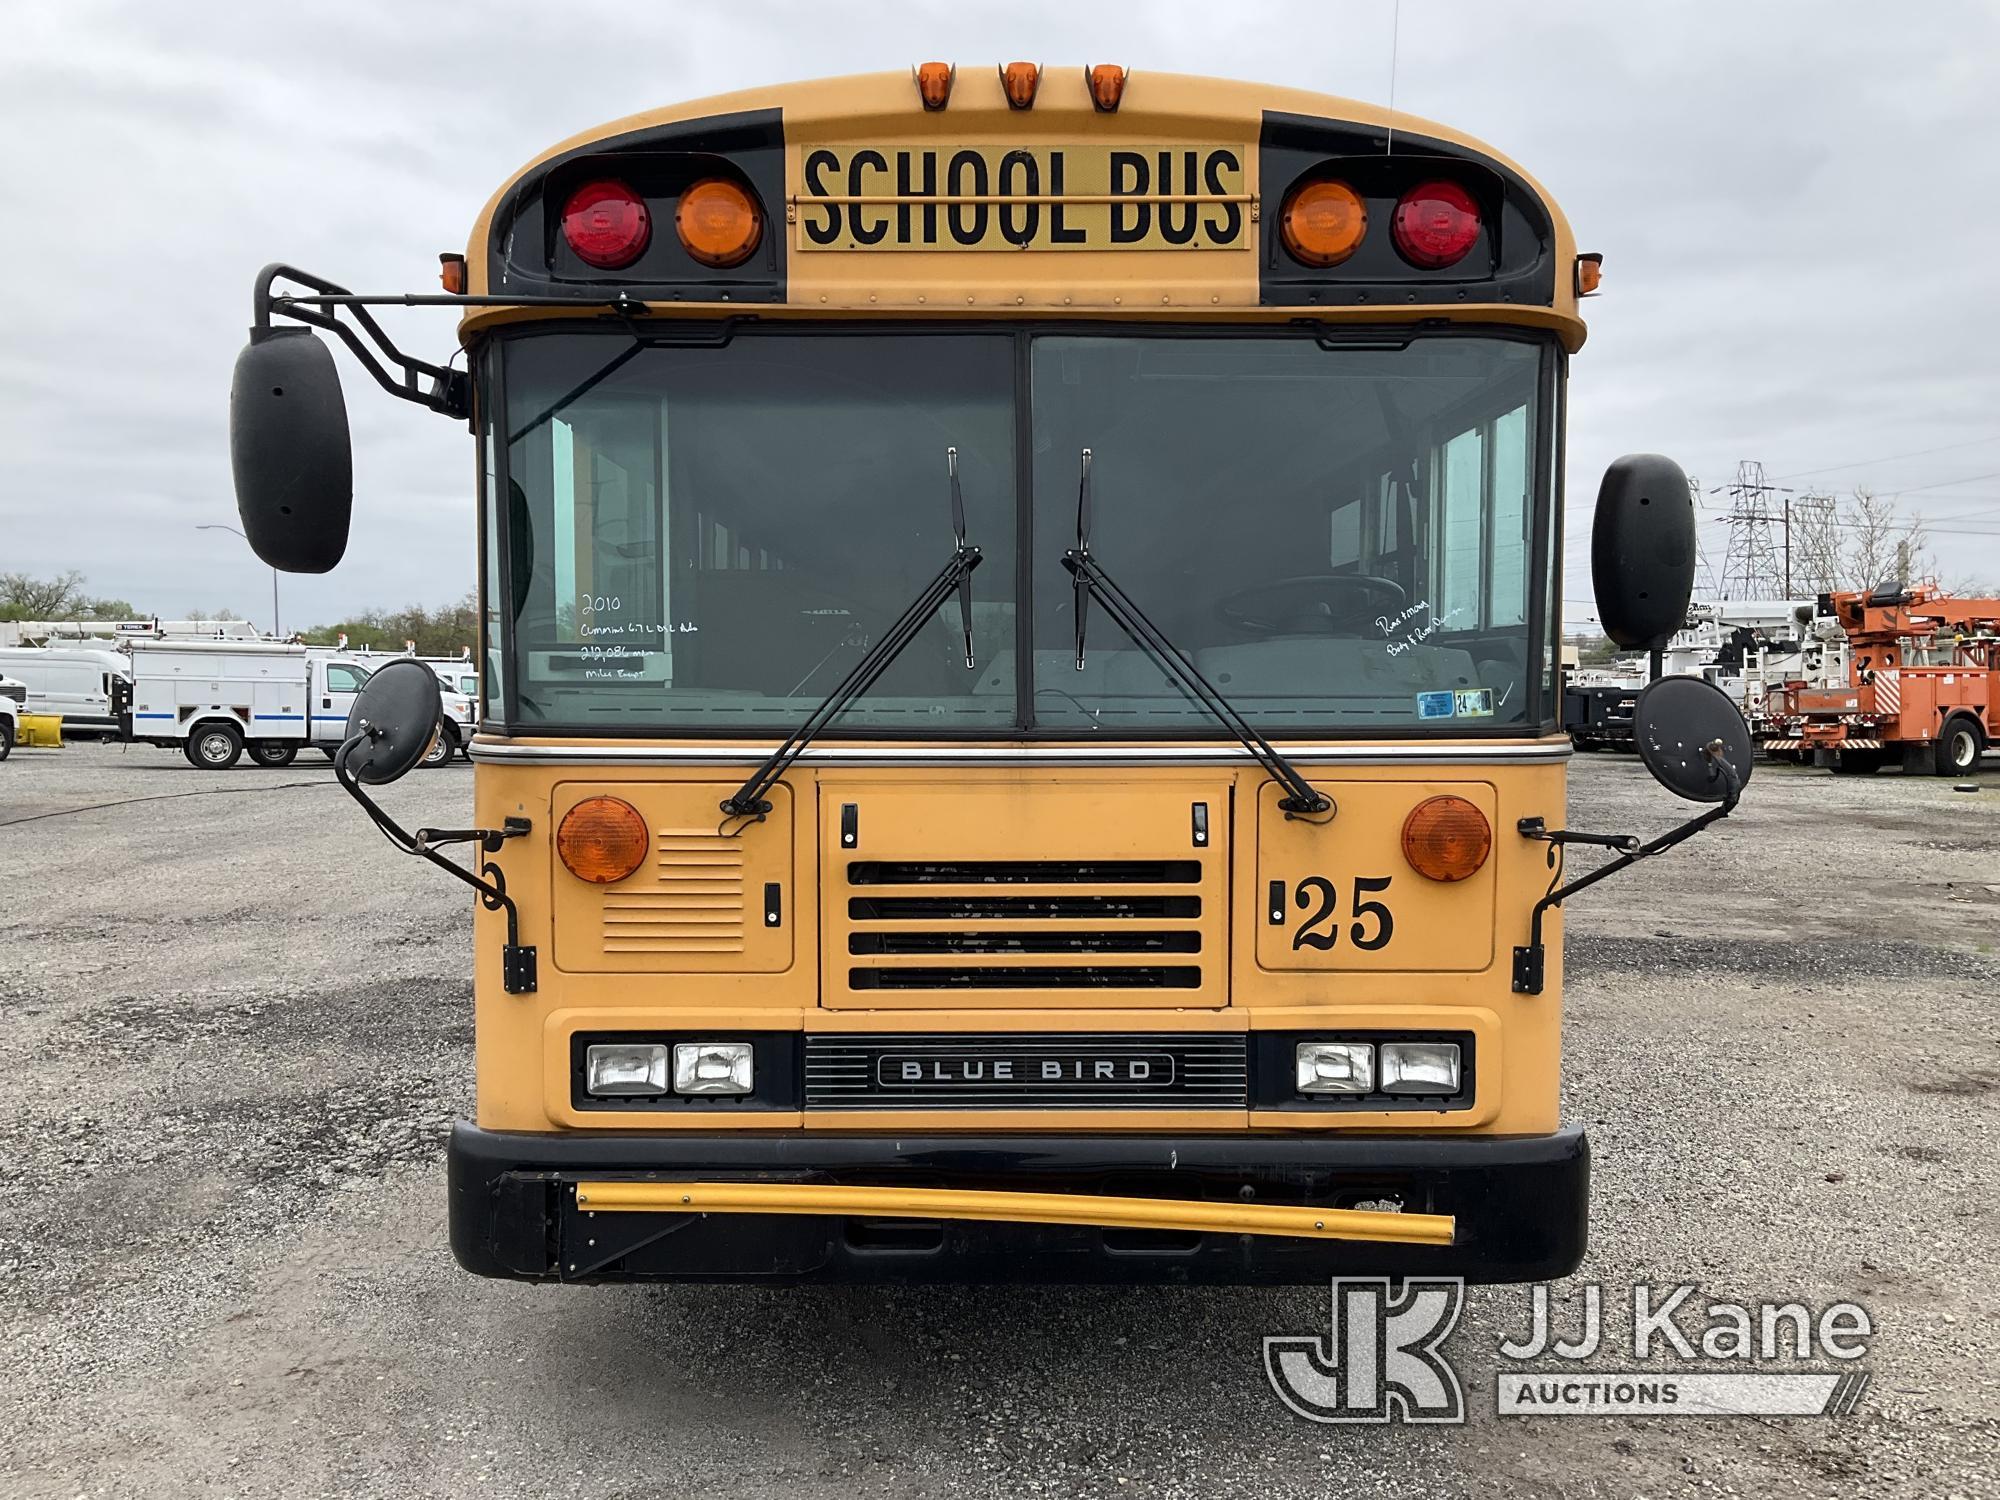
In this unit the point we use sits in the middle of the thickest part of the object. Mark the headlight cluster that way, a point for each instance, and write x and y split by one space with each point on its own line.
1404 1068
614 1070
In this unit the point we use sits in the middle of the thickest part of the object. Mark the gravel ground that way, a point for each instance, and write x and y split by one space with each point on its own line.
233 1028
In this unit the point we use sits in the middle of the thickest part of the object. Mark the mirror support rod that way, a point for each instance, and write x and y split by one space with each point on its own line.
1301 798
955 577
1530 960
403 376
517 963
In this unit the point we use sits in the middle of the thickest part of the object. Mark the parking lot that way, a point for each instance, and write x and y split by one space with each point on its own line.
234 1026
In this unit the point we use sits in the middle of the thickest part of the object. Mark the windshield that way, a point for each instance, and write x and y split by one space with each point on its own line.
714 536
1341 537
1335 536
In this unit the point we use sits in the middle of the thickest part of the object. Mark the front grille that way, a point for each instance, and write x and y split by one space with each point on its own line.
987 940
1027 1070
1025 872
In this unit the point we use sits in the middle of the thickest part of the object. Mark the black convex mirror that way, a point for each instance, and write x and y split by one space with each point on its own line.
1693 739
1642 551
288 448
392 723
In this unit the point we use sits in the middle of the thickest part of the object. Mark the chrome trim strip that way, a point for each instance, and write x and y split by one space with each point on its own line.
1465 753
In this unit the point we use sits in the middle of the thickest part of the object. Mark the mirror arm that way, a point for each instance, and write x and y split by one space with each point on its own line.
517 963
450 390
1530 959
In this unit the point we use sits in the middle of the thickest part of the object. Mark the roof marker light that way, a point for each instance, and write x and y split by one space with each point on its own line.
1107 86
1020 80
1589 272
934 80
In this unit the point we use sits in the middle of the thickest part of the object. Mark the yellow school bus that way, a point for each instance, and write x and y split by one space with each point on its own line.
1020 730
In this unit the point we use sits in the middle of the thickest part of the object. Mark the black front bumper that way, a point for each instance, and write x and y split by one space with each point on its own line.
1520 1203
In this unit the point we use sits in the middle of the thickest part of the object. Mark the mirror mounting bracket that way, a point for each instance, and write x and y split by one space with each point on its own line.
437 387
518 966
1530 958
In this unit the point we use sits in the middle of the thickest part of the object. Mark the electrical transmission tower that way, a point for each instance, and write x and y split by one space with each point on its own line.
1752 567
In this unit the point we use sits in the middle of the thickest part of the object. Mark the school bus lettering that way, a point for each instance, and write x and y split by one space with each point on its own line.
1023 198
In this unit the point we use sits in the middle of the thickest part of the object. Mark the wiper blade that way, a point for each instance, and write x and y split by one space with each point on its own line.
1301 798
749 801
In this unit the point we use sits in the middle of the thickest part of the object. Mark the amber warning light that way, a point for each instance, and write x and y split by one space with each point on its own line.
602 840
1446 838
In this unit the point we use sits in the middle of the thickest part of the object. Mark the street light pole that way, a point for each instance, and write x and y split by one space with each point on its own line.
277 628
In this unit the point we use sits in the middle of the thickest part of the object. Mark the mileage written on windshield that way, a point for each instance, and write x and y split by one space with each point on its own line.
1023 198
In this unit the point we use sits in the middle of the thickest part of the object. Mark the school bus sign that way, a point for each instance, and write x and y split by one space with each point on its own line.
1044 197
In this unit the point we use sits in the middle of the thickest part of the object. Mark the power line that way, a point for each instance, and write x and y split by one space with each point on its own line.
1863 463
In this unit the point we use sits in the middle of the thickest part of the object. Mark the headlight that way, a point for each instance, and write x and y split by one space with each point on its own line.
616 1069
1336 1067
712 1068
1420 1067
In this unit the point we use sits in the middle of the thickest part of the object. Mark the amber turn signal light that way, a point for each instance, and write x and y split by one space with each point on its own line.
1324 222
719 222
602 839
1446 838
1107 86
451 273
1589 271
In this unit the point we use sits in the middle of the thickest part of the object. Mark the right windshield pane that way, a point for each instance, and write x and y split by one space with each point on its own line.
1338 537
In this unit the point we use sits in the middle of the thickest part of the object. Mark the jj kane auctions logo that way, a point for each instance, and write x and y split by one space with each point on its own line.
1383 1357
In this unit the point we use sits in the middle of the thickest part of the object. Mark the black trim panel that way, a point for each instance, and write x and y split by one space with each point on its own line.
526 255
1514 260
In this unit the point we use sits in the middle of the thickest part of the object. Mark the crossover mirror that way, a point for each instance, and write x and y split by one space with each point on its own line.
289 449
1642 551
392 723
1693 739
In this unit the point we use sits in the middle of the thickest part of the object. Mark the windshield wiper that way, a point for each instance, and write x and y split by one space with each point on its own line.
1301 798
749 800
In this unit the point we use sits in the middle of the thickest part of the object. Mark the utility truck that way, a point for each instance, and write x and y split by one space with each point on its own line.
217 699
87 686
13 693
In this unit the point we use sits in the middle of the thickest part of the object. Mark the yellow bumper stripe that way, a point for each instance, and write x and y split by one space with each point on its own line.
1016 1208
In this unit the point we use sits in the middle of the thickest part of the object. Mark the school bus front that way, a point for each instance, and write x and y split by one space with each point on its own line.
1178 476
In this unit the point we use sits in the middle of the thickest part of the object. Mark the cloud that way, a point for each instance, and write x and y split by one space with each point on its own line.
1796 203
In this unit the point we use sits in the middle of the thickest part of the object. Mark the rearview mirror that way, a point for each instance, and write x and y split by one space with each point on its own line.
392 723
1693 739
289 449
1642 551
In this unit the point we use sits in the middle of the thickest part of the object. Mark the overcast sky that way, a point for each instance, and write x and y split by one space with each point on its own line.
1799 207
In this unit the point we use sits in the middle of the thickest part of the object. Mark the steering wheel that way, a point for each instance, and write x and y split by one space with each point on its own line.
1313 604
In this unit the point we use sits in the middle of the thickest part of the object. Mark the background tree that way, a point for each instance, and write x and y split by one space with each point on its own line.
448 630
60 598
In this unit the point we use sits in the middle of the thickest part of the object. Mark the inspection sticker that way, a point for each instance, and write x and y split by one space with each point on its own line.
1474 703
1435 705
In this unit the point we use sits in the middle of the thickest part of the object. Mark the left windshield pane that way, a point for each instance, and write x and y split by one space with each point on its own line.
709 538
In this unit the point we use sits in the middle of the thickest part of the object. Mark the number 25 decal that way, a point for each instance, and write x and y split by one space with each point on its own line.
1320 899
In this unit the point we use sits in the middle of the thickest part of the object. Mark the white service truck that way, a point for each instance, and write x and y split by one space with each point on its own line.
87 686
13 693
216 699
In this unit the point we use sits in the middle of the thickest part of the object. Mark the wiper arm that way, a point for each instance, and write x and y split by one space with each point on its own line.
1301 797
749 801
